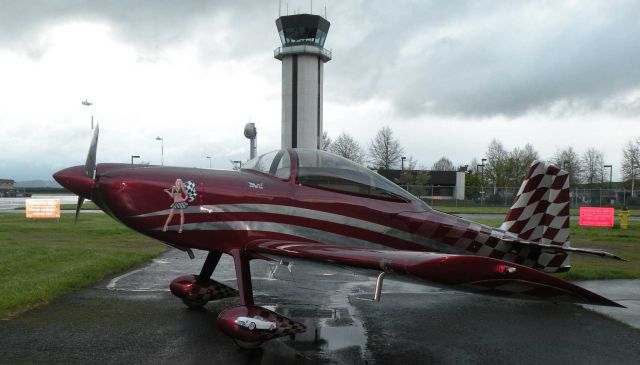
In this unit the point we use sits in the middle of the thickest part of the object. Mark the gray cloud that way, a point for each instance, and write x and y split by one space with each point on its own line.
150 25
457 58
490 58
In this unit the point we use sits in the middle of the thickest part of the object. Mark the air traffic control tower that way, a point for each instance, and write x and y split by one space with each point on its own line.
302 55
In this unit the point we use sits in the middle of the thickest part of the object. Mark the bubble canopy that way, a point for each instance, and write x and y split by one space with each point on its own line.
320 169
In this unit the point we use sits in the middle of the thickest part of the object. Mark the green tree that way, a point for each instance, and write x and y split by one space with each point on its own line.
568 160
325 141
443 164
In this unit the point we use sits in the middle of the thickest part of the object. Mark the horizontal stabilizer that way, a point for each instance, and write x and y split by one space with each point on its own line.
556 249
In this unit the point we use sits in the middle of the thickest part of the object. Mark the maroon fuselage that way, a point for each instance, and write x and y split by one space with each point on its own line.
233 208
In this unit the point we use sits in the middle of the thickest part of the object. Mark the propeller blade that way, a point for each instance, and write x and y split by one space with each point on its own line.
80 201
90 164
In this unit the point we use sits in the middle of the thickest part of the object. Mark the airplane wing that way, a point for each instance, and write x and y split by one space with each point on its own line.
476 274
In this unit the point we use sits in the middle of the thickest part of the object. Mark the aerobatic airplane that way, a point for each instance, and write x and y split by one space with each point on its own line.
304 204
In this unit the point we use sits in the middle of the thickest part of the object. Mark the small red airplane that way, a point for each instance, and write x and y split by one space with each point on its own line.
304 204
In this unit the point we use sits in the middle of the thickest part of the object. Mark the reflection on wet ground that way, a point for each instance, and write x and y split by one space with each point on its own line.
132 318
321 301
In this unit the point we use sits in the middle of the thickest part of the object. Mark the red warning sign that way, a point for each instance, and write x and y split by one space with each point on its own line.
596 217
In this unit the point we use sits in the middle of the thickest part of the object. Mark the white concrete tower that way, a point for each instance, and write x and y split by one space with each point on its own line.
303 56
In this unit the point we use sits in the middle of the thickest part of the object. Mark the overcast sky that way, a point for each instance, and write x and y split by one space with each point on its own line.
446 76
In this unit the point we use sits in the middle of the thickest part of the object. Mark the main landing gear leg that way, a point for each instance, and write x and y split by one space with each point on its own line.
236 321
209 265
243 275
196 290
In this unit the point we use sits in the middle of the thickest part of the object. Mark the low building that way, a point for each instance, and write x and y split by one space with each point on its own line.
6 184
441 185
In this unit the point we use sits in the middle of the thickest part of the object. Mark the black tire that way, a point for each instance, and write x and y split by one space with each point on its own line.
252 326
194 303
247 345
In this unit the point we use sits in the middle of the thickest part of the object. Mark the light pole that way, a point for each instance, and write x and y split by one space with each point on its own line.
483 160
633 178
87 103
402 162
134 156
209 158
161 149
481 166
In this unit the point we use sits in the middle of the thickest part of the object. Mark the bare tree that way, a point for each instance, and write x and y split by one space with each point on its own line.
347 147
443 164
592 162
631 161
385 151
568 160
325 142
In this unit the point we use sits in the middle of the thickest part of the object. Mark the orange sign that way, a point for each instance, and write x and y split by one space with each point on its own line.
42 208
596 217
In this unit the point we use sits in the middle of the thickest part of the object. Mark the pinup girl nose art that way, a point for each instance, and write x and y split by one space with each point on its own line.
181 194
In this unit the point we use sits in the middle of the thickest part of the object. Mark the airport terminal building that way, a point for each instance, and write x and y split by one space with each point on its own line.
442 184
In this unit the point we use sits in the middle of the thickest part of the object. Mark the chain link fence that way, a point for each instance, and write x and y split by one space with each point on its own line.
474 196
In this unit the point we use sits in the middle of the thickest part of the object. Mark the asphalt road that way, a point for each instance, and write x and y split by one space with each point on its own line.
133 318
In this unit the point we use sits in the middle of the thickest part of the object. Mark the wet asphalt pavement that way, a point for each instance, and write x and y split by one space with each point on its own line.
133 318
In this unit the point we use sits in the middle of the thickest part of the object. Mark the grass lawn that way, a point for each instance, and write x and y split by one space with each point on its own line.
42 259
624 243
501 210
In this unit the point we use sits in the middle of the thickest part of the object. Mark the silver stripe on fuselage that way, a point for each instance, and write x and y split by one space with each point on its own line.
289 229
316 215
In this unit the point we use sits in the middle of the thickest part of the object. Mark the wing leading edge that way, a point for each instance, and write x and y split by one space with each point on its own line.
476 274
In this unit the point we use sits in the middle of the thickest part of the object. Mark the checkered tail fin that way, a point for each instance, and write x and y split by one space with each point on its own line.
540 212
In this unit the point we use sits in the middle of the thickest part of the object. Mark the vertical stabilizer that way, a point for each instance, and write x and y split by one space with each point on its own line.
540 211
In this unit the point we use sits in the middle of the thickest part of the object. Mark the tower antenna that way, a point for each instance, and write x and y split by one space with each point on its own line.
279 8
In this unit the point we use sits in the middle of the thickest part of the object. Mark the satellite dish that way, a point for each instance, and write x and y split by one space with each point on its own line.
250 130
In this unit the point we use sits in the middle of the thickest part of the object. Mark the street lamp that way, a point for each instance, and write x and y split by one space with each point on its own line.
633 178
134 156
481 166
161 149
87 103
483 160
402 162
209 158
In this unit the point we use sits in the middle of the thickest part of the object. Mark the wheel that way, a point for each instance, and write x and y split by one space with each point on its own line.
247 345
194 303
252 326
